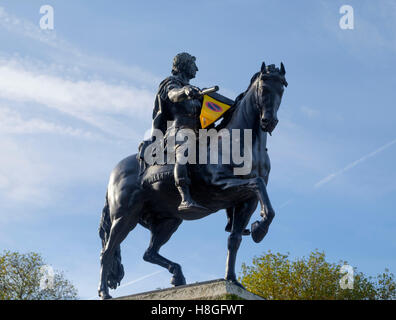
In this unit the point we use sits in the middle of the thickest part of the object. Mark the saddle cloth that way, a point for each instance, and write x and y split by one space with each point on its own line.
156 173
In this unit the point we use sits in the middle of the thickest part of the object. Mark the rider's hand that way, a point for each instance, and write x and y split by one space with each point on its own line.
191 91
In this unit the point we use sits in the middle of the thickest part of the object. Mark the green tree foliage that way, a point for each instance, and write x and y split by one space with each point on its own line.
276 276
22 277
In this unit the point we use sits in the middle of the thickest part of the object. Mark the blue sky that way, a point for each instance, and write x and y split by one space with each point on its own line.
76 100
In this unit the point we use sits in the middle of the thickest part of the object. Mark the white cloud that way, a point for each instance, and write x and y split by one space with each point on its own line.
94 102
69 80
12 122
69 53
24 27
67 83
63 94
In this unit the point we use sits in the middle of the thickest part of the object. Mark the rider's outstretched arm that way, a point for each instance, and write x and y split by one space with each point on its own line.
183 93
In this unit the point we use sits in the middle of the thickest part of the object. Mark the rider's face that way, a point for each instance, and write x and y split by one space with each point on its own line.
192 69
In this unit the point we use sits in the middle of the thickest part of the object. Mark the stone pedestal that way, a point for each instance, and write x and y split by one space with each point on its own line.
210 290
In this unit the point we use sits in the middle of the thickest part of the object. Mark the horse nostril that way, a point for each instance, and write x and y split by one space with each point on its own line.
269 124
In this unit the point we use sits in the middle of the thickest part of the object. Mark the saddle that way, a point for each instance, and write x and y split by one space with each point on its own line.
214 106
150 174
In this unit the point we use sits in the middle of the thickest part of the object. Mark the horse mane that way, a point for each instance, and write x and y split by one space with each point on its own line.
228 115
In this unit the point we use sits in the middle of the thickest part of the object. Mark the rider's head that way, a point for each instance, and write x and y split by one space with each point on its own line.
184 64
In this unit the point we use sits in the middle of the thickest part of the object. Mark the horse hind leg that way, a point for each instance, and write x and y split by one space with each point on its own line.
161 231
241 217
124 221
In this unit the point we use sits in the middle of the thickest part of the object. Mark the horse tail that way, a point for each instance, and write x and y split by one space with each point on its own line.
116 272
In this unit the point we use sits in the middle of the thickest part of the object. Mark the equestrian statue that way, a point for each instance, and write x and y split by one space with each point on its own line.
159 195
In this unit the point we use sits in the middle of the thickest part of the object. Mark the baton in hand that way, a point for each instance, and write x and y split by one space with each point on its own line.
209 90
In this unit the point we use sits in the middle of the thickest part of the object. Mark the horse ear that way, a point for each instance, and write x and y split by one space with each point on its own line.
282 70
263 68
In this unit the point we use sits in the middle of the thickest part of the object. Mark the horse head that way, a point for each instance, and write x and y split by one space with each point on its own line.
270 83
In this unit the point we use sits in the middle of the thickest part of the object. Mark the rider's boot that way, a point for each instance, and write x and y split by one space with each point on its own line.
187 204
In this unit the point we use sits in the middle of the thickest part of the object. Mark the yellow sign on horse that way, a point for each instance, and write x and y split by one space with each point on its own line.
212 110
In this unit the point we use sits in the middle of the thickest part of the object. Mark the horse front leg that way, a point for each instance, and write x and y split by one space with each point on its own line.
240 219
230 217
260 228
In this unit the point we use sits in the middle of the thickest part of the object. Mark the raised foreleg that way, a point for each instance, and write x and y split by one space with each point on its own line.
260 228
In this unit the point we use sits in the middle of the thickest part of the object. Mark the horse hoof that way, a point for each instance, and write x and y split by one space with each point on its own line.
178 278
258 231
178 281
104 295
237 283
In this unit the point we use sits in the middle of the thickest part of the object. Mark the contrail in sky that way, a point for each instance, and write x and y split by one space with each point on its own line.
348 167
285 203
141 278
353 164
133 281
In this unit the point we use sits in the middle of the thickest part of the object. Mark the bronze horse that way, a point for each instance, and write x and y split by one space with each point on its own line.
154 205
